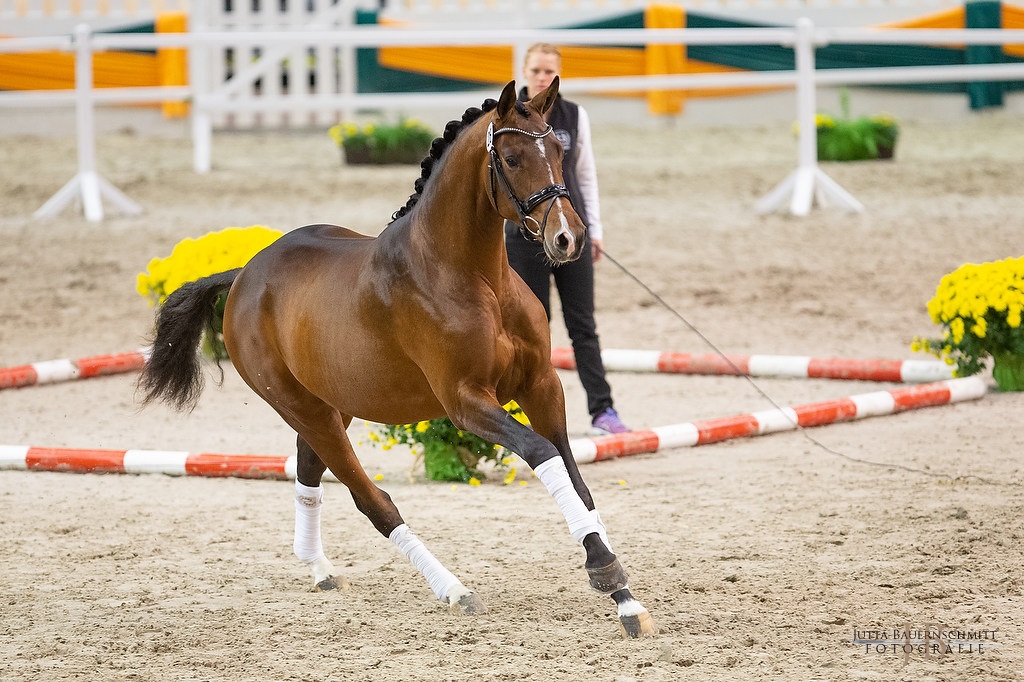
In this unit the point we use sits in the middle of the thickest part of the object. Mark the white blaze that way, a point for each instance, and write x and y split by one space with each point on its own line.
563 222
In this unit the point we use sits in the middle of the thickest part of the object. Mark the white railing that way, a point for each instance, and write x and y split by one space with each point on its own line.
31 17
801 188
421 8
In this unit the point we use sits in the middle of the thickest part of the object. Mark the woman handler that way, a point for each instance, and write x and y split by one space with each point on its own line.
575 280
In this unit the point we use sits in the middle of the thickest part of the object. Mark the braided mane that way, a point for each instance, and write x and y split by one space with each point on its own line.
440 145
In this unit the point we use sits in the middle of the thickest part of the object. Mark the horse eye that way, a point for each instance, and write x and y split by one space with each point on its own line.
512 161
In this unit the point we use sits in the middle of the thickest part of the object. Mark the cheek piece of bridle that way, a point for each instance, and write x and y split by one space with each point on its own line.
523 208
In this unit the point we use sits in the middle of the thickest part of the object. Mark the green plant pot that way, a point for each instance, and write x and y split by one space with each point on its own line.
365 156
1008 371
356 155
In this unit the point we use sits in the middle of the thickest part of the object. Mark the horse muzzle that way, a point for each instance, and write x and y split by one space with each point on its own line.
563 246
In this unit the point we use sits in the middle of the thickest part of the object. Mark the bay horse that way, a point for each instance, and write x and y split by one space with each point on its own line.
423 321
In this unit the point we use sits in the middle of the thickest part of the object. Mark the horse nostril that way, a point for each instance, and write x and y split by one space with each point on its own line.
563 241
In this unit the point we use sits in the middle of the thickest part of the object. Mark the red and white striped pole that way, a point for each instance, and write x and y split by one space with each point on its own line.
798 366
771 421
615 360
170 462
53 371
176 463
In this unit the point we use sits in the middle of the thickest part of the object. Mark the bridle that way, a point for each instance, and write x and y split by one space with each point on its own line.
523 208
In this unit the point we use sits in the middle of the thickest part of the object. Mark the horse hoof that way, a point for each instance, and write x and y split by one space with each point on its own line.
637 625
462 601
331 582
608 579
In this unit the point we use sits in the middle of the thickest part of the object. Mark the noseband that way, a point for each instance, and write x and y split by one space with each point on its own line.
523 208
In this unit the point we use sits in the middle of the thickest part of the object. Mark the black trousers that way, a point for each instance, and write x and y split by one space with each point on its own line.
575 284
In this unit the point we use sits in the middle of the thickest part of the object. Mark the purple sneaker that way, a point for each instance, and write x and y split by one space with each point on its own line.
607 423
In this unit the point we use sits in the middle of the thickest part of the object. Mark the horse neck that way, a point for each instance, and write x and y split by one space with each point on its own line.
458 222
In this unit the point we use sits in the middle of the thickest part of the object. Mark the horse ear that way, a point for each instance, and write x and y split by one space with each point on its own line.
543 101
507 99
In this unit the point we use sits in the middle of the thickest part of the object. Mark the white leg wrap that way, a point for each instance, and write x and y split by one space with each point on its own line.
308 501
555 478
441 580
603 532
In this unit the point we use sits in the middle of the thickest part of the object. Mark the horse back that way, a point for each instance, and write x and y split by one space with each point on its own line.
327 231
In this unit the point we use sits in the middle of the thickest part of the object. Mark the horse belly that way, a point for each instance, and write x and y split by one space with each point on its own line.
370 381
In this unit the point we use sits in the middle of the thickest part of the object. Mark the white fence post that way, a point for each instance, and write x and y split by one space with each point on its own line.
349 71
87 183
808 181
199 80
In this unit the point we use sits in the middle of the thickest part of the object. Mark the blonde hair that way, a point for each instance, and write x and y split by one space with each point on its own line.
543 48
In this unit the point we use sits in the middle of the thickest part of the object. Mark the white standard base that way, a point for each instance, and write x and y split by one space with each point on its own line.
805 185
92 188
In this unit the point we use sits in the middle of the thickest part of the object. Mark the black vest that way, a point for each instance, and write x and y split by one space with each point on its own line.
564 118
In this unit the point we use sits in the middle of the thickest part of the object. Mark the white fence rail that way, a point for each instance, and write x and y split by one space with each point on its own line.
801 188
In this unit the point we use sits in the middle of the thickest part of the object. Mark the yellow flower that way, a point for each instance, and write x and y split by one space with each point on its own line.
1013 317
956 328
510 476
884 118
422 426
512 407
474 481
192 259
379 477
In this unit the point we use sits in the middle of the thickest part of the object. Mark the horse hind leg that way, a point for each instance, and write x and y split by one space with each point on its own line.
322 430
309 495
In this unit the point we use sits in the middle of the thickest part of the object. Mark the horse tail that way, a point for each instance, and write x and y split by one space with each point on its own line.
173 372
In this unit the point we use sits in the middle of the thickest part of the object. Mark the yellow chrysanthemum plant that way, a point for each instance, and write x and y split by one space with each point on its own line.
407 141
845 138
192 259
448 452
979 308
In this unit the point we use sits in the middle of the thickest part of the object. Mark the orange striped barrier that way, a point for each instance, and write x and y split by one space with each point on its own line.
53 371
170 462
796 366
175 463
615 360
860 406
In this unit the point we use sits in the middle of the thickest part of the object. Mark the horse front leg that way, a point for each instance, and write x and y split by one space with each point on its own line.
544 405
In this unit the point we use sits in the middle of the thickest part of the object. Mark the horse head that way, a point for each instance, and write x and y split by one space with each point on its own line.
526 164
